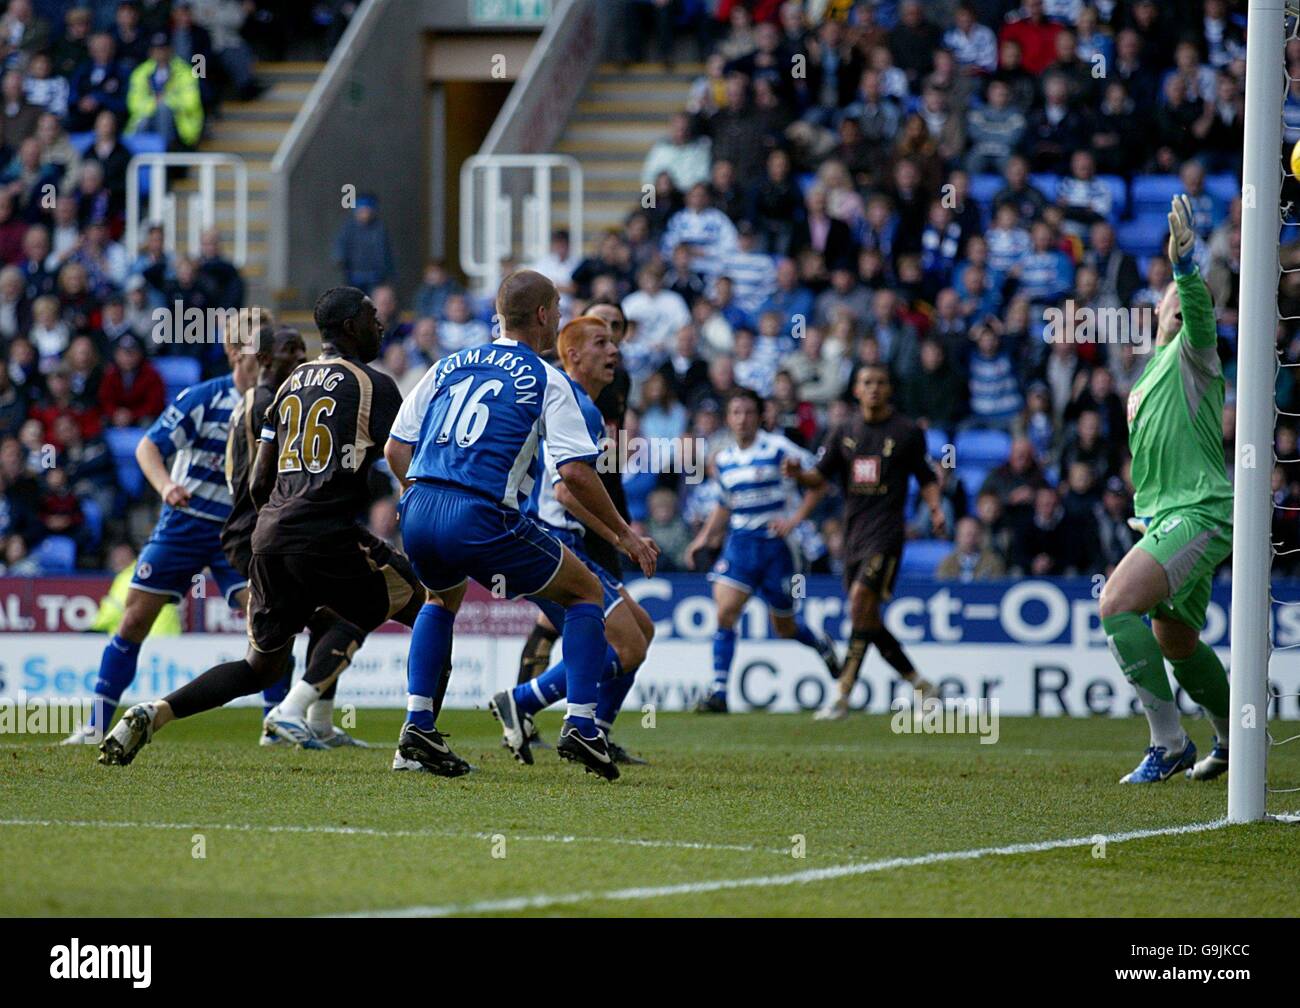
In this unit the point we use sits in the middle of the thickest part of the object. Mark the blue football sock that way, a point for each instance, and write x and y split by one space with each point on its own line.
430 651
724 650
538 694
584 659
612 692
804 635
116 670
272 695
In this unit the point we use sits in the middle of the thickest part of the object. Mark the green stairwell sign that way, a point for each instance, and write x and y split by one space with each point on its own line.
517 12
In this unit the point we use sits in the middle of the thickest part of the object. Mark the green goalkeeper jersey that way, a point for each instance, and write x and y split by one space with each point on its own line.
1175 418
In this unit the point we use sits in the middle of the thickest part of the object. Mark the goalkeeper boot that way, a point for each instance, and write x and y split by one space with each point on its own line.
132 733
1158 765
592 753
1214 765
714 703
620 755
514 734
430 751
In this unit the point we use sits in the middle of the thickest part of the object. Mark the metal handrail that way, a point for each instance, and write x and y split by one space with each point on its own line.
497 237
202 206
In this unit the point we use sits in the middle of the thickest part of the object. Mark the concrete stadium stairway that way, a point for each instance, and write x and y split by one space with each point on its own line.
620 115
253 130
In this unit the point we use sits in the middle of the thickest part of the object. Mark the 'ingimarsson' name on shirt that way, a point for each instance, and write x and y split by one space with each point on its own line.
518 366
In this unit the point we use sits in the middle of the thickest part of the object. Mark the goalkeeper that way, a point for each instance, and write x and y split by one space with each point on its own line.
1183 500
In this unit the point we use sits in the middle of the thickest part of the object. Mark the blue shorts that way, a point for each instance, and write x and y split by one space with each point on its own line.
180 547
759 565
609 587
451 534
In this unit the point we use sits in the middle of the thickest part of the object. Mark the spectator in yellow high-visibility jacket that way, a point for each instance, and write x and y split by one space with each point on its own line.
111 607
179 114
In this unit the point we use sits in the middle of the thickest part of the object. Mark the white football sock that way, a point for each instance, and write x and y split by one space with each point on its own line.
1221 729
320 716
1162 716
301 696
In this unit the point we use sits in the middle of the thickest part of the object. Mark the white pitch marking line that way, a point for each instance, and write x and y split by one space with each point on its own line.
541 902
554 838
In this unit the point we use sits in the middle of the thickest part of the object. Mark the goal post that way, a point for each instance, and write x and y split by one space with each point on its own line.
1251 618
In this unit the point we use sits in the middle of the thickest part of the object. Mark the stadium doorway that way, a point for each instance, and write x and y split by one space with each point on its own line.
470 77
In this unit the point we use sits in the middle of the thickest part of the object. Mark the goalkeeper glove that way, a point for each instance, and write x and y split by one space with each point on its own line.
1182 238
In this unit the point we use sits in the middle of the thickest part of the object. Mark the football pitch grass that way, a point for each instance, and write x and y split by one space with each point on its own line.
887 824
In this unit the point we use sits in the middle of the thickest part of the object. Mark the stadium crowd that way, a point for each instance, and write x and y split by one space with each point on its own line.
83 87
924 185
932 186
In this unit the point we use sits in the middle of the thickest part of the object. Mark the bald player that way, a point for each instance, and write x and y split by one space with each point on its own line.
466 441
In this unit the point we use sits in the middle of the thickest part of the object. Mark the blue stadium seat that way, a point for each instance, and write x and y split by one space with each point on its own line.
1146 234
922 556
1224 187
1046 183
983 447
144 143
972 478
984 187
935 440
121 445
1153 192
1118 196
94 516
136 143
177 373
56 554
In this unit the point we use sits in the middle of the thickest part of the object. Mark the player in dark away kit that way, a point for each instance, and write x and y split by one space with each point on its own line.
332 640
323 431
870 458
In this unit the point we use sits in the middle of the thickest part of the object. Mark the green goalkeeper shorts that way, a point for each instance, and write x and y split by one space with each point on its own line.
1189 545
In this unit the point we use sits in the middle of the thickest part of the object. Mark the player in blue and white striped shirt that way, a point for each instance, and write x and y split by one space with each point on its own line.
755 506
192 432
466 441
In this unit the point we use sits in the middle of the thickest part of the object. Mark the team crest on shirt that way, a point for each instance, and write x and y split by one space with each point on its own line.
1134 403
866 470
849 443
889 447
